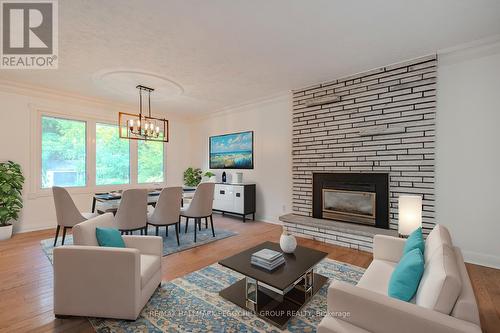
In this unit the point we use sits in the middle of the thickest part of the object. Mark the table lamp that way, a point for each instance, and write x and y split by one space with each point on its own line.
410 214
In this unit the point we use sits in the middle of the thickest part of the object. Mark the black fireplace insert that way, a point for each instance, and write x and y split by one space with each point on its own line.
352 197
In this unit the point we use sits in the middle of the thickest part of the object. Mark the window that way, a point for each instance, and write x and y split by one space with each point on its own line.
150 162
112 156
87 152
63 152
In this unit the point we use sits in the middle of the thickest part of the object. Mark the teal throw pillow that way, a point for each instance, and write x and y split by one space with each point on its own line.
415 241
406 277
109 237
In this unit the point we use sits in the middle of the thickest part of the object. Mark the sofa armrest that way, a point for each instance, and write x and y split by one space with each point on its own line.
145 244
379 313
388 248
92 280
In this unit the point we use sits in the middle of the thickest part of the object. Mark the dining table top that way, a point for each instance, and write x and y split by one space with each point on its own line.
111 199
117 195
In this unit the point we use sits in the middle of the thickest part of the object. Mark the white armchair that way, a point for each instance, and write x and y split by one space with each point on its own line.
107 282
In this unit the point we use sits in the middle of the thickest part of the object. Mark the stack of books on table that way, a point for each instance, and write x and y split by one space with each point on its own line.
268 259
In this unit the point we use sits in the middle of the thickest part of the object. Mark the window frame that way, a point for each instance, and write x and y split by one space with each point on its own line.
91 120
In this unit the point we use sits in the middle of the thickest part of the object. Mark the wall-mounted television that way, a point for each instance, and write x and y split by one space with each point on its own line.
231 151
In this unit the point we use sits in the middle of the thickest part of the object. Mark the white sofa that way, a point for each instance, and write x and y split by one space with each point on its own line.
444 302
108 282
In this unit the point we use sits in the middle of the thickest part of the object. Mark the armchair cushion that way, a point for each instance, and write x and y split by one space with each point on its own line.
406 276
415 241
84 232
109 237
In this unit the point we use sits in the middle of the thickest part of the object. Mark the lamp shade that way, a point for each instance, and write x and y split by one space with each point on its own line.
410 213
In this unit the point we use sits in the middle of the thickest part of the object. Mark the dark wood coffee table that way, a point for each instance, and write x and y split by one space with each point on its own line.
277 295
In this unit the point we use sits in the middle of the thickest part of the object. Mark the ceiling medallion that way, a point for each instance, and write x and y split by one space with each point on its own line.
143 127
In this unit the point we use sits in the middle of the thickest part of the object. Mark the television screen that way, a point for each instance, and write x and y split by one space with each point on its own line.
231 151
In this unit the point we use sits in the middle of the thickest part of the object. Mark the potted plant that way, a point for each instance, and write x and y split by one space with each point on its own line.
192 177
209 177
11 185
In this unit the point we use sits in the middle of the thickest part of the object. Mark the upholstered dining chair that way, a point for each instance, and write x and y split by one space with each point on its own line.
200 207
132 211
67 213
167 210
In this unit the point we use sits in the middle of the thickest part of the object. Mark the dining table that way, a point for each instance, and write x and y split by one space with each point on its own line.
111 200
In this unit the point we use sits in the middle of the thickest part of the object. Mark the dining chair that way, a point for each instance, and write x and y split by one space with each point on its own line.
167 210
67 213
200 207
132 211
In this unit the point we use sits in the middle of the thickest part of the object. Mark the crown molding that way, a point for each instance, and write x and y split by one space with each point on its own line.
30 90
42 92
245 106
483 42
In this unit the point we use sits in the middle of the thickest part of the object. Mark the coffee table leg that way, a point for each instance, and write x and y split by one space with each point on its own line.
251 292
309 283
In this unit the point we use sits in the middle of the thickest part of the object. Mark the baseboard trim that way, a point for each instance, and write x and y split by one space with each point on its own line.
268 220
482 259
23 230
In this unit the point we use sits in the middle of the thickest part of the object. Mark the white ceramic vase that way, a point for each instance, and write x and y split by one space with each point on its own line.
5 232
288 243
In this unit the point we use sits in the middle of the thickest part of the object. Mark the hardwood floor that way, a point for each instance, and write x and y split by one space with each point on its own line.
26 275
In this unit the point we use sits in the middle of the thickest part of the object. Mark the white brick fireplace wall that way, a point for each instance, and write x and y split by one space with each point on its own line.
384 121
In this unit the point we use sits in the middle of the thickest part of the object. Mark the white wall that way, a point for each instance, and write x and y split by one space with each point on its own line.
17 104
468 151
271 122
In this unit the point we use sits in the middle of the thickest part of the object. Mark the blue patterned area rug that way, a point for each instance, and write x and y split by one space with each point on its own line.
192 304
169 243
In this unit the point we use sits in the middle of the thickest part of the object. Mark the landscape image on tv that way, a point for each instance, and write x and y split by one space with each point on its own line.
231 151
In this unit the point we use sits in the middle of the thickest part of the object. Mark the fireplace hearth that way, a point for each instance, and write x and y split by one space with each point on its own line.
361 198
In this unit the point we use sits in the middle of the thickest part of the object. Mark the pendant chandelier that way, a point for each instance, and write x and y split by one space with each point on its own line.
140 126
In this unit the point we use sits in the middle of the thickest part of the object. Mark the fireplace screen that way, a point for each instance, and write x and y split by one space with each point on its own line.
349 206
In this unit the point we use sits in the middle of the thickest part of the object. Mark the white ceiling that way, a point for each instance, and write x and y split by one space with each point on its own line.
227 52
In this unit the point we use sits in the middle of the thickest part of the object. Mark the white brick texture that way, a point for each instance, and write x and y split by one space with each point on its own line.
333 137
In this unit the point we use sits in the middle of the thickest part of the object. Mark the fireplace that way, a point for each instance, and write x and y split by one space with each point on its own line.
352 197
